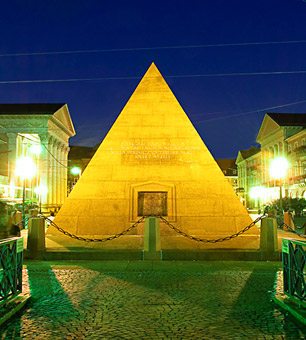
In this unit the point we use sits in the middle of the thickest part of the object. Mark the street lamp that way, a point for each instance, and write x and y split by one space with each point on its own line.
35 150
259 194
41 190
26 169
278 170
75 171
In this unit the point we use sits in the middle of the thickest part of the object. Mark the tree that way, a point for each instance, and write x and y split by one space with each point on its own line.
289 204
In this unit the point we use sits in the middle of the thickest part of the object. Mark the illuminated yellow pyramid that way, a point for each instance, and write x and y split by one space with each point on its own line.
153 161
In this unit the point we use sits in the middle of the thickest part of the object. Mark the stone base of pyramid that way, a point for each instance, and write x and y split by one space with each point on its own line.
136 242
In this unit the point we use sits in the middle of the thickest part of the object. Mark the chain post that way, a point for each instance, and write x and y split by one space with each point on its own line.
197 239
268 235
291 230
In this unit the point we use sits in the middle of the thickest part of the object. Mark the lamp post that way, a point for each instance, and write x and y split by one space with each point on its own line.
278 170
35 150
25 169
75 171
258 193
40 190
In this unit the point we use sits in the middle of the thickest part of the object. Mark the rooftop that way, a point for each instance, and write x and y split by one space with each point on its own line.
226 164
34 108
80 152
250 152
289 119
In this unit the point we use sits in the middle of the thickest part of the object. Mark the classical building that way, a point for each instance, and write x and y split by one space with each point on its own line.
248 164
40 132
280 135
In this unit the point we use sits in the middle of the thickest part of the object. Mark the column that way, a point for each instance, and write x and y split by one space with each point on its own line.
51 178
45 169
12 140
58 174
65 172
61 174
262 166
281 150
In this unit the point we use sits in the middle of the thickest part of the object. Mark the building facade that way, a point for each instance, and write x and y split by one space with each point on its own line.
78 158
249 175
41 133
280 135
229 169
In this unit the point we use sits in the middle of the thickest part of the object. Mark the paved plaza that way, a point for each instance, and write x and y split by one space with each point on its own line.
151 300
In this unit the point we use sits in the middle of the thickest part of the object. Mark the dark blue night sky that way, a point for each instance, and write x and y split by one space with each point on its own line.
226 107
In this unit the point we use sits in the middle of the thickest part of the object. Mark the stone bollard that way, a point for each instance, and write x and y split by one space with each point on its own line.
288 220
33 212
152 248
268 234
18 217
36 235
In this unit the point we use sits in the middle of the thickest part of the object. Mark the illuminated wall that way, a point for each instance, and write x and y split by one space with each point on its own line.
153 152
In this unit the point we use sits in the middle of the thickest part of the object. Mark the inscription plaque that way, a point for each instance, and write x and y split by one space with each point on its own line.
153 152
152 203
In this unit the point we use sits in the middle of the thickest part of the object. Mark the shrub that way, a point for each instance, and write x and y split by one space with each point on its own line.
289 204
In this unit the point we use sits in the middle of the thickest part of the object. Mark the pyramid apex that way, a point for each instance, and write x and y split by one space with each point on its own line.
153 158
153 71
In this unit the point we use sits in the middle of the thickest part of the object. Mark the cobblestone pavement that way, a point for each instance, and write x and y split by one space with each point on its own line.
151 300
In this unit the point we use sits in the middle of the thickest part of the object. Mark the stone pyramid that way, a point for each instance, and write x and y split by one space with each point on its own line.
153 161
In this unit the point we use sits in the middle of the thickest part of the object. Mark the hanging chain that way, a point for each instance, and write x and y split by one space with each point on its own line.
222 239
296 226
92 239
197 239
25 221
180 232
282 223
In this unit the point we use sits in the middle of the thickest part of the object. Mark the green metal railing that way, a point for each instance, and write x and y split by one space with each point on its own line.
11 260
294 269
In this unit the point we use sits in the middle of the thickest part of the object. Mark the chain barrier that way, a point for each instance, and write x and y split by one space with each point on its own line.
282 223
279 221
221 239
226 238
295 225
25 221
50 222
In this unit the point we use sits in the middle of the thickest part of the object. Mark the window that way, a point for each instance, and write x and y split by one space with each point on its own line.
296 144
303 142
289 148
